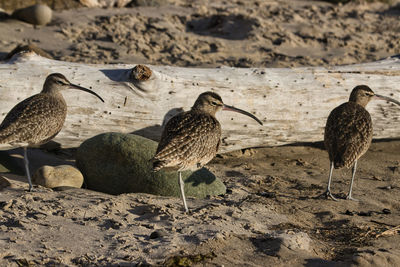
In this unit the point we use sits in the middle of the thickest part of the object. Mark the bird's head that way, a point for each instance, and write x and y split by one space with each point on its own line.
211 103
362 94
208 102
56 82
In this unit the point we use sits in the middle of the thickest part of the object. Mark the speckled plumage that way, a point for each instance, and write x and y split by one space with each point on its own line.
348 134
39 118
35 120
191 139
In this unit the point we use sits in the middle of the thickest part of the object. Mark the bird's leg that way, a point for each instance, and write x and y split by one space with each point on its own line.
328 193
27 168
182 187
352 180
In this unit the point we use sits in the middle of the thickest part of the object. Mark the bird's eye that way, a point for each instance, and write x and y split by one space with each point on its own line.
59 82
214 103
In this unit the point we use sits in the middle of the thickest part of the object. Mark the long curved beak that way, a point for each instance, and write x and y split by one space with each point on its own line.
74 86
387 99
230 108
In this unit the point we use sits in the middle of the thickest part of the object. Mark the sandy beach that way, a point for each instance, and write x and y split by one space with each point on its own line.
271 214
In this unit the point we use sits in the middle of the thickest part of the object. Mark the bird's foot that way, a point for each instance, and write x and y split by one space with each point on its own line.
327 194
349 197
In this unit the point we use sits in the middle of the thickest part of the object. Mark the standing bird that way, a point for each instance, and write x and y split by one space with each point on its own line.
348 132
39 118
191 139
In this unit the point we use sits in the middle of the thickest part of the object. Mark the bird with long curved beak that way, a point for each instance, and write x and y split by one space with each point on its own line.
191 139
348 132
39 118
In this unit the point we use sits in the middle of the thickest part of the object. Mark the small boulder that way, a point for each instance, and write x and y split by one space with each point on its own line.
37 14
63 175
117 163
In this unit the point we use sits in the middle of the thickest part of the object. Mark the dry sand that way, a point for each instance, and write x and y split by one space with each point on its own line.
270 214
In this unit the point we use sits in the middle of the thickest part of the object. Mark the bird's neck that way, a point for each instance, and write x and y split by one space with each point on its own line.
359 102
53 92
201 109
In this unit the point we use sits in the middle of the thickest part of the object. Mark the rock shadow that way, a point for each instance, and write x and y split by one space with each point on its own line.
269 246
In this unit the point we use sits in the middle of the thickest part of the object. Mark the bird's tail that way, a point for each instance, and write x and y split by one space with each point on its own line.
157 164
5 140
9 139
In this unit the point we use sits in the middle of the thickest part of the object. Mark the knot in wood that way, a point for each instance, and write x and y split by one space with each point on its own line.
141 73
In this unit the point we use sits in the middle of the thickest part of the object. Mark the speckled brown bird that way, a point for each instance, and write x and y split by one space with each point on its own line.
191 139
348 132
39 118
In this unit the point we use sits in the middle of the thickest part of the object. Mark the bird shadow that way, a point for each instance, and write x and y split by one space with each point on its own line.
12 162
200 176
320 144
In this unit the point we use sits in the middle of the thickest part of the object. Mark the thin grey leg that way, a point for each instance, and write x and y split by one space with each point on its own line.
27 168
328 188
352 180
182 187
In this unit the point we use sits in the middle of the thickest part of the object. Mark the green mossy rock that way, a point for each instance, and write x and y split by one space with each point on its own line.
117 163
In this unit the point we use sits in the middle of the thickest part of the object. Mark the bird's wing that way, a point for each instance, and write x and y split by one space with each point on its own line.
34 120
348 133
187 136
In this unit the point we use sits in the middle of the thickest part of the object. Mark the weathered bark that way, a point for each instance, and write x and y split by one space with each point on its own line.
292 103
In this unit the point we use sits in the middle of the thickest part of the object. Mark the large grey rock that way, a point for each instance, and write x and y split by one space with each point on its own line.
36 14
63 175
118 163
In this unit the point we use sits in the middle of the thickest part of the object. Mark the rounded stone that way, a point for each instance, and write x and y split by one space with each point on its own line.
117 163
37 14
63 175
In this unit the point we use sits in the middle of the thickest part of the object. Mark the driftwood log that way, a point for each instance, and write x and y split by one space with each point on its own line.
292 103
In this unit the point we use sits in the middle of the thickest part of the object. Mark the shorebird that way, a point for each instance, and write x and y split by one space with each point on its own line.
191 139
37 119
348 132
